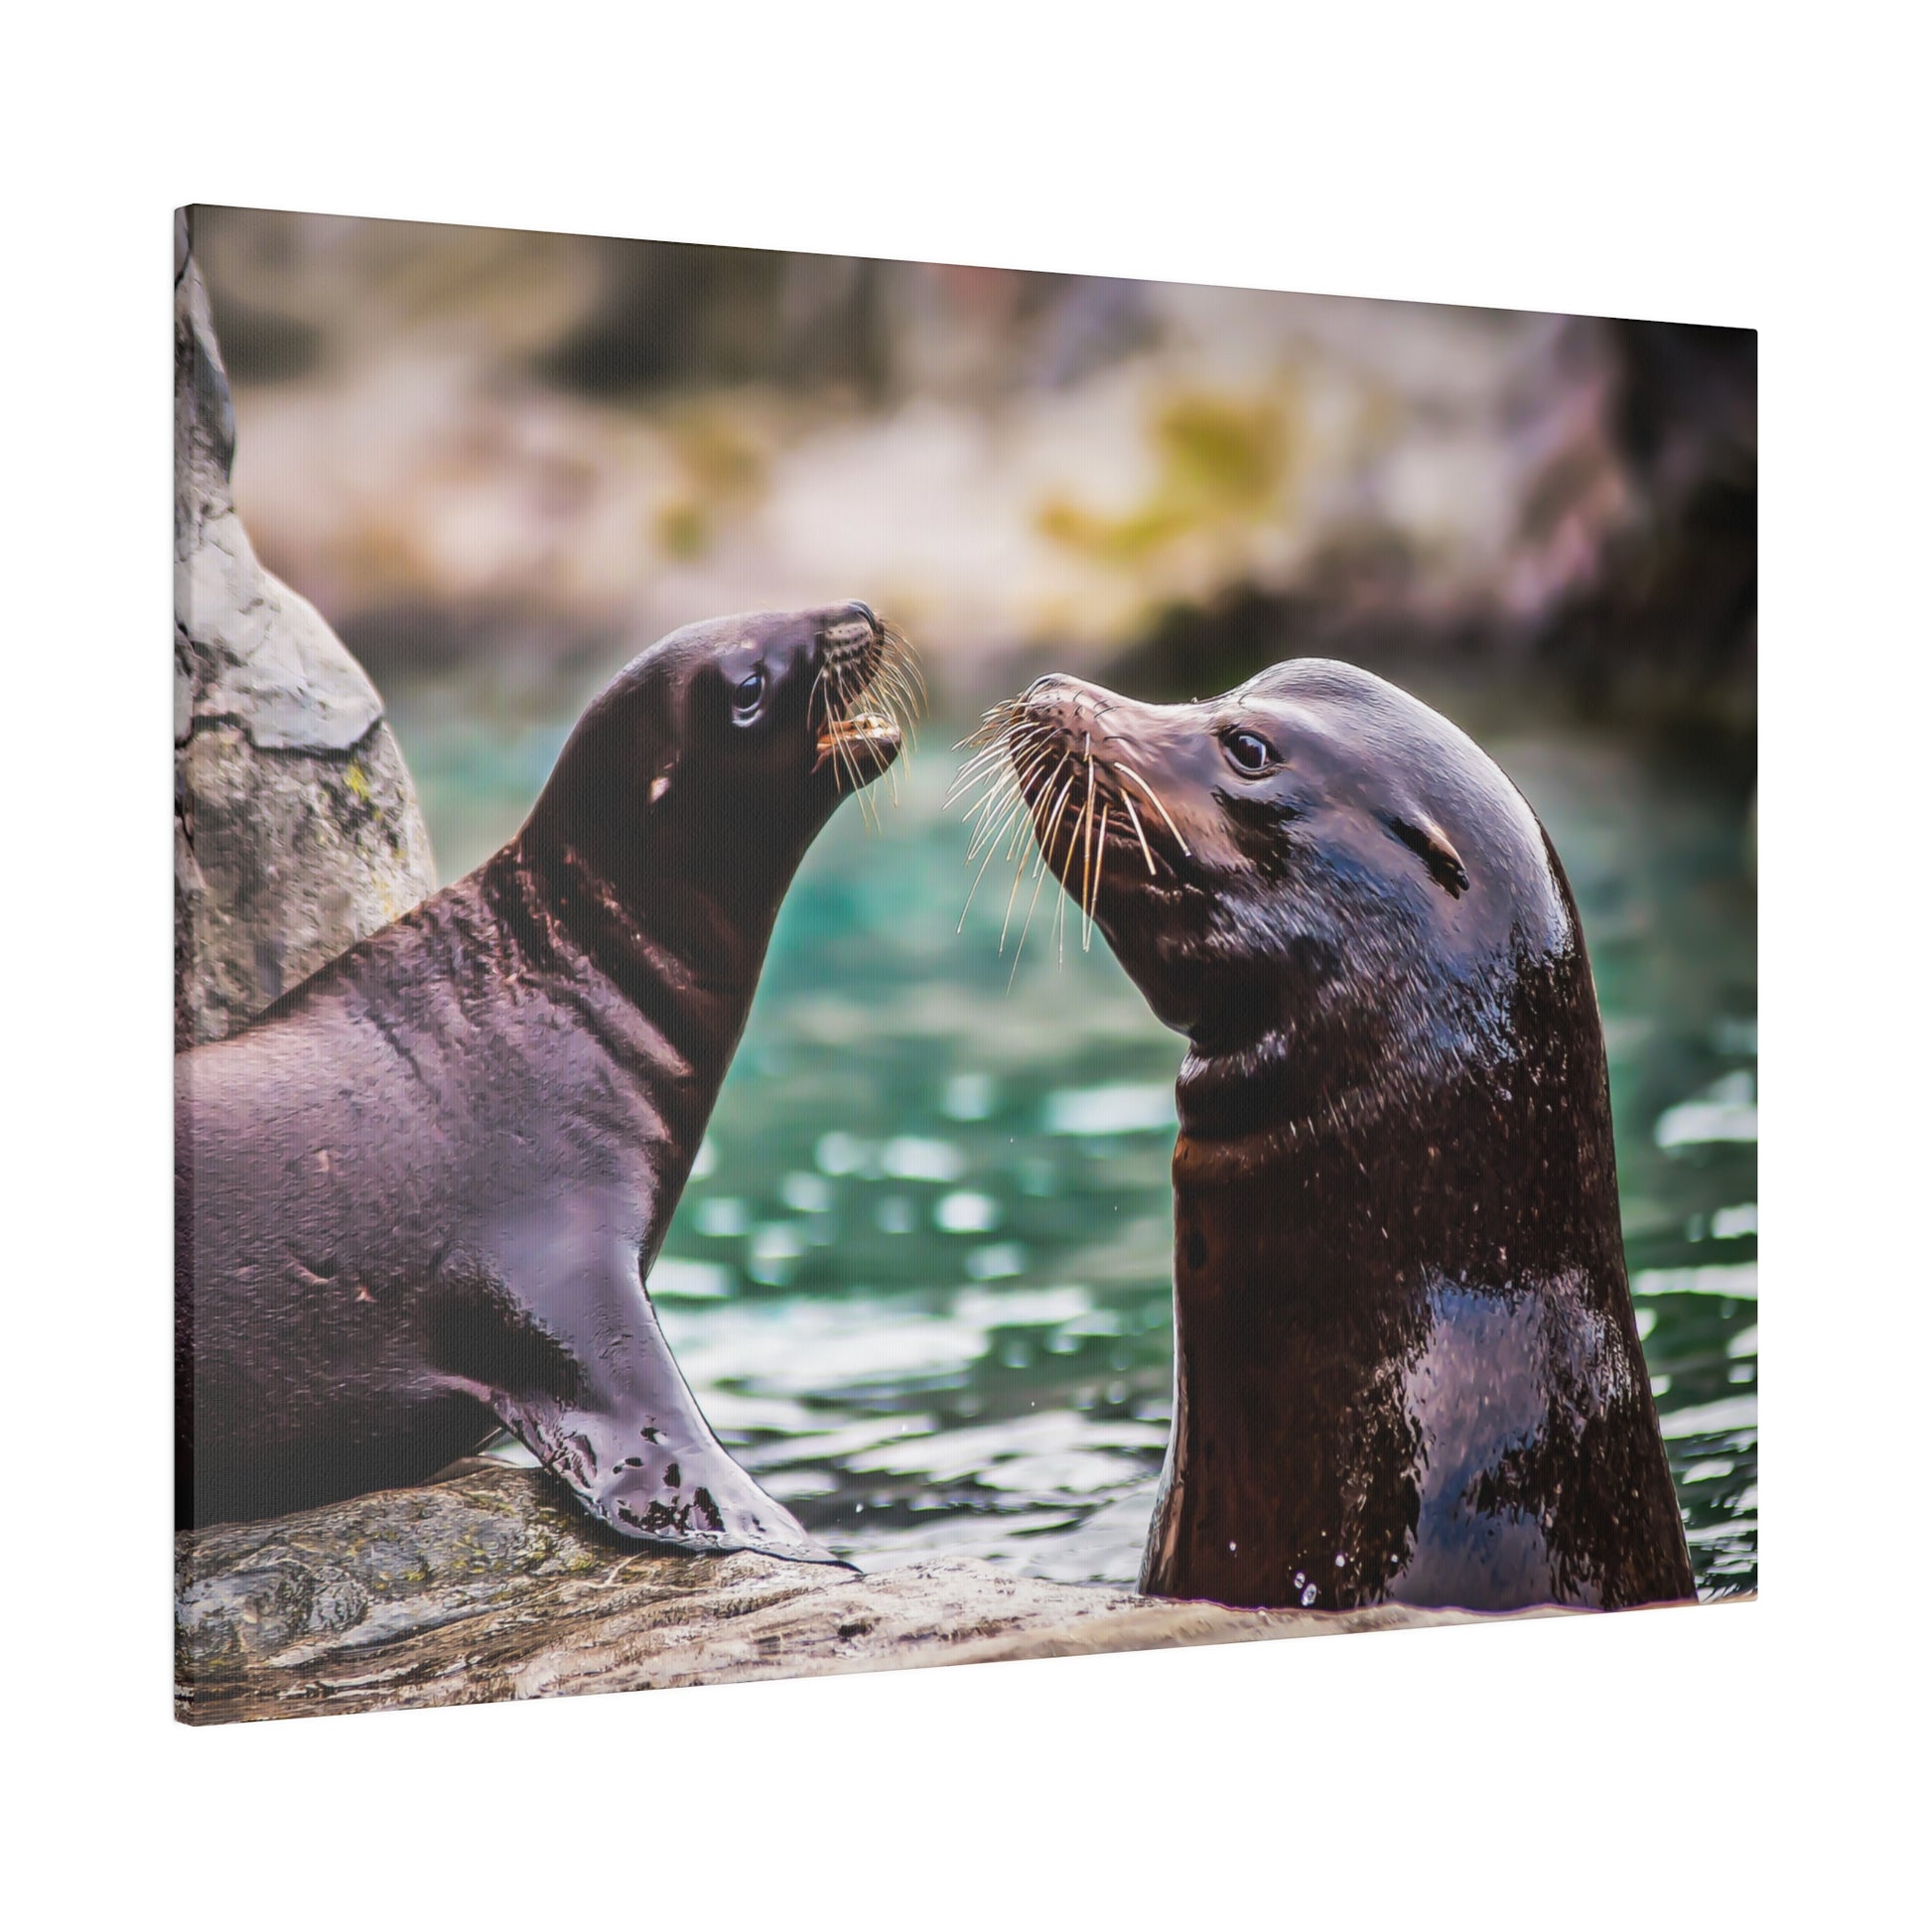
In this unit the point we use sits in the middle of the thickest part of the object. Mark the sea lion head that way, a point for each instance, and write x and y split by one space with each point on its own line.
721 750
1315 859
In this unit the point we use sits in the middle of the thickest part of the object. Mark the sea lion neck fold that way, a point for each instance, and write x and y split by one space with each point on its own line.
1407 1366
419 1197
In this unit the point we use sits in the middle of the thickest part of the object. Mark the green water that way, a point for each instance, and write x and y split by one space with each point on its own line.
919 1280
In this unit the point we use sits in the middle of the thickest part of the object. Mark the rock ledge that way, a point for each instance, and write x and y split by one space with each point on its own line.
490 1585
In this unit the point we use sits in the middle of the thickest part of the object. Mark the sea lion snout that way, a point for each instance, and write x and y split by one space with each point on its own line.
866 690
1075 765
1066 731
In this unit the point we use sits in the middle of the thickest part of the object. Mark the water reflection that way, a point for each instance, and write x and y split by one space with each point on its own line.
919 1280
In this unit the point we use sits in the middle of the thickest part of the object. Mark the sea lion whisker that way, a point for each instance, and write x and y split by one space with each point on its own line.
1059 902
1040 875
1004 800
853 710
891 677
1026 821
906 663
900 715
901 705
1092 898
1154 797
1061 898
1015 841
1013 891
1005 749
907 673
1018 817
847 763
1000 791
999 722
992 846
991 777
990 782
896 650
1005 791
1059 913
883 697
844 763
1027 761
985 735
1053 825
1086 833
867 807
992 759
1099 871
1134 818
1030 821
813 708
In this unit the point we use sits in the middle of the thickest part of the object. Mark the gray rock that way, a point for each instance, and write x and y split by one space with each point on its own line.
297 830
490 1586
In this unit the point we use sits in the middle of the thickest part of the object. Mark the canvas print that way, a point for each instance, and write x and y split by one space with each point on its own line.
883 964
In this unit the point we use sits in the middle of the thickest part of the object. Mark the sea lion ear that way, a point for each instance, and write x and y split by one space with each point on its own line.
666 772
1431 844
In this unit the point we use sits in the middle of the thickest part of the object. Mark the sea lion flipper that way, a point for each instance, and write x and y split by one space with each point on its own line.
612 1415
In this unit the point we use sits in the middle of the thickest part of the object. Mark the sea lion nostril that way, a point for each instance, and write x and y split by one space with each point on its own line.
865 611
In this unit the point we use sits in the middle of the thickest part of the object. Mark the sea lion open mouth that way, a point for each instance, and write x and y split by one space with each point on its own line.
866 694
868 732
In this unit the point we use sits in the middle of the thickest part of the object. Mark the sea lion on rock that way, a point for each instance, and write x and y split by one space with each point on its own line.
1406 1365
419 1198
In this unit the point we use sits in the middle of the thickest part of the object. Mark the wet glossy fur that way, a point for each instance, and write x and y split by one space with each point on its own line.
418 1198
1407 1366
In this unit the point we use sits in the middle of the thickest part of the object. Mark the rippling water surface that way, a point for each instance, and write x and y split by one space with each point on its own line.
919 1280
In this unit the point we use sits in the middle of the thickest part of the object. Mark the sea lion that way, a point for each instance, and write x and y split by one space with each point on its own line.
419 1198
1406 1363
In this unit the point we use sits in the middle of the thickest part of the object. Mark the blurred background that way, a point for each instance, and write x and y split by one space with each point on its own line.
920 1277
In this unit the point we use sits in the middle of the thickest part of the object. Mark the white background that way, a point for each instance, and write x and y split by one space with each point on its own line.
1672 1768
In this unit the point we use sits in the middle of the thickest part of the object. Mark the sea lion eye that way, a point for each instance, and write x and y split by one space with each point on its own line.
1248 752
751 690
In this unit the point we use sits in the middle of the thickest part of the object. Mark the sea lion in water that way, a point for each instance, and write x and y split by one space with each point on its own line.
419 1198
1406 1365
